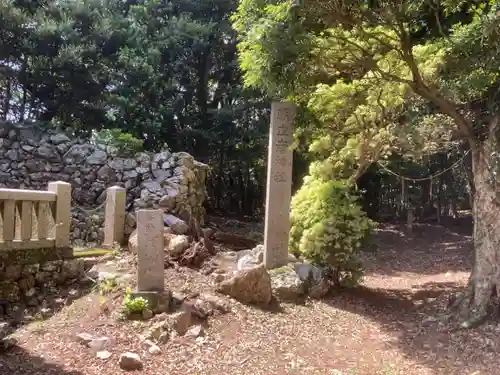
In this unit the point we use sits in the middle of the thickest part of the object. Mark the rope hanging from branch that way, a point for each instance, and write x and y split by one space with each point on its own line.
428 177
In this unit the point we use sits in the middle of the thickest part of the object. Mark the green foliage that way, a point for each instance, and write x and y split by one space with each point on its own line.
377 78
133 305
162 71
329 227
107 286
125 144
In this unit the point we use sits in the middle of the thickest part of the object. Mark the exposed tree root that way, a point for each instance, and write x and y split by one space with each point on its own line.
469 311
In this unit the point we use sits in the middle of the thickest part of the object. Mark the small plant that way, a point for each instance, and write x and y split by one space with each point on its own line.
103 305
108 286
133 305
390 371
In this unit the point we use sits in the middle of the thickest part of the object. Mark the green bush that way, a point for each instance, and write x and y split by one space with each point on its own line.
124 143
329 228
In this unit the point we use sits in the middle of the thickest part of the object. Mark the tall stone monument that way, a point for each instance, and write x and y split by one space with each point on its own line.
150 250
279 184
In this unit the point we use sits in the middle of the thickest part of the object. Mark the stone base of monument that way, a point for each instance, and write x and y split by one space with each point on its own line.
158 302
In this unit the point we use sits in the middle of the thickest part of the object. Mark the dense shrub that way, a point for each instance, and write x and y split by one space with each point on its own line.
329 227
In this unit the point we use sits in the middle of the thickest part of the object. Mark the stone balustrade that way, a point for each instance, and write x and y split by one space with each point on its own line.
35 220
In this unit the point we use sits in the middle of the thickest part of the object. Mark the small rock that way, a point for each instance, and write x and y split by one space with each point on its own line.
147 314
159 332
154 350
198 308
319 289
130 362
46 312
164 337
208 232
195 331
151 347
99 343
178 298
180 321
84 338
103 354
5 329
8 343
219 278
30 293
217 303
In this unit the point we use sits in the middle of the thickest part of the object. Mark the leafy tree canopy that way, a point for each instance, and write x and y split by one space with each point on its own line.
376 77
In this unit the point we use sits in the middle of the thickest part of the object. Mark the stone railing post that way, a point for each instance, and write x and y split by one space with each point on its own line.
114 219
62 212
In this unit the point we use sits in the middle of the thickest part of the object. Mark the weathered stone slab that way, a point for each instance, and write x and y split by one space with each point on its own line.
150 250
279 185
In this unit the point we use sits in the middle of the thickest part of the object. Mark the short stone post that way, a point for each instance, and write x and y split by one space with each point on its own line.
114 219
62 212
150 253
279 185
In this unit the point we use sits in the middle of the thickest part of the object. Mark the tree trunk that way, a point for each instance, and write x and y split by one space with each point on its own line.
484 282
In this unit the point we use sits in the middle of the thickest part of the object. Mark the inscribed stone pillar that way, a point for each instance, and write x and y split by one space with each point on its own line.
279 185
114 220
150 251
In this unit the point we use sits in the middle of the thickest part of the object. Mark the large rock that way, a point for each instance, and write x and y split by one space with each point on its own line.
177 245
286 284
49 152
295 281
250 258
252 285
59 138
169 199
98 157
315 277
177 225
180 321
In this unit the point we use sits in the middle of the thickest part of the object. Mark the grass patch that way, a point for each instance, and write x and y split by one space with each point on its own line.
79 252
281 270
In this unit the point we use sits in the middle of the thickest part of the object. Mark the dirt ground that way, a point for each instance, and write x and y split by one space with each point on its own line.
384 327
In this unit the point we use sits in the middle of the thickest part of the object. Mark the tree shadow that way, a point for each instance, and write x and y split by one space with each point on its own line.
428 250
409 316
56 299
16 360
274 307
